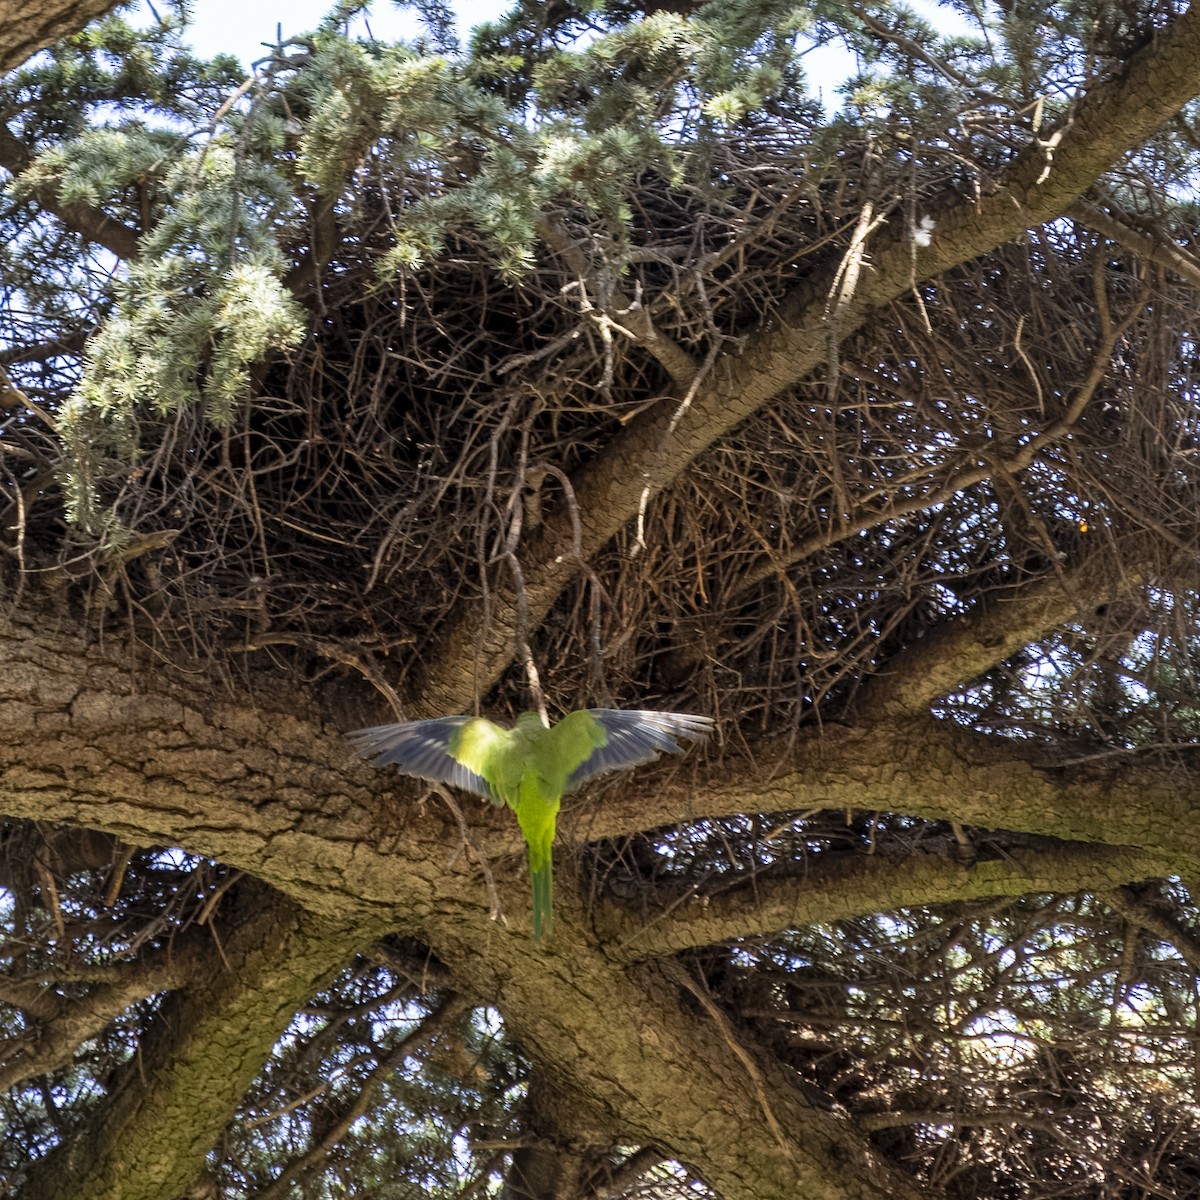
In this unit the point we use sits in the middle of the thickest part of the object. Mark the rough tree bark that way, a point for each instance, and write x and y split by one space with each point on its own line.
167 1106
92 738
27 26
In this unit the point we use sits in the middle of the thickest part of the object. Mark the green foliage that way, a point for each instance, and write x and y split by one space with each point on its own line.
220 200
201 304
204 299
535 119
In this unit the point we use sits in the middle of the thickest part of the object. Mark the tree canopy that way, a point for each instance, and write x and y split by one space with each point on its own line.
606 360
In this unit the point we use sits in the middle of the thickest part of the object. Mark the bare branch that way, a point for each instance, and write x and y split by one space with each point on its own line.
994 1117
69 345
927 768
1158 923
1032 448
63 1023
1166 254
337 1128
960 651
621 310
619 1179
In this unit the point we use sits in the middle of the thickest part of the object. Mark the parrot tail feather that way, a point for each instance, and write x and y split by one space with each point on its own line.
543 901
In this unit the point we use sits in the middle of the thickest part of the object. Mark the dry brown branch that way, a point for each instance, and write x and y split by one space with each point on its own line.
355 657
616 307
961 651
63 1022
1035 444
1151 249
680 975
12 397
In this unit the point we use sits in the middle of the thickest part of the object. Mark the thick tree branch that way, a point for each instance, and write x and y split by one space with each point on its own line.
1156 250
671 1077
617 1180
268 792
1158 923
27 26
90 223
265 790
955 1119
961 651
63 1023
167 1106
70 344
254 789
305 276
546 1166
1043 182
86 744
857 885
927 768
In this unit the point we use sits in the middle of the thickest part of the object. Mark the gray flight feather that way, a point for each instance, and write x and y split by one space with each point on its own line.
421 748
637 736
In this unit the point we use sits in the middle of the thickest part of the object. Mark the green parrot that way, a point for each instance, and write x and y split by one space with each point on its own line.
529 767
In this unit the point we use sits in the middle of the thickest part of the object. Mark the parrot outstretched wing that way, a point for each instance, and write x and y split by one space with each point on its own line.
427 749
530 767
632 737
